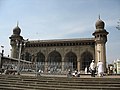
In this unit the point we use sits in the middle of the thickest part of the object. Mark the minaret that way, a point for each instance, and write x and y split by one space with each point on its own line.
100 42
15 41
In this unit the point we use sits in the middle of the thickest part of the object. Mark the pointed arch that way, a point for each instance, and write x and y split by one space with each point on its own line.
86 58
40 57
72 58
28 56
54 61
40 61
54 56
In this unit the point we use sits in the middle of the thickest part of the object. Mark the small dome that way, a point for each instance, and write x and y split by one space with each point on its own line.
16 30
99 24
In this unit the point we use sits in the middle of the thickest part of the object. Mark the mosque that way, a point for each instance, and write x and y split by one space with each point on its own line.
62 52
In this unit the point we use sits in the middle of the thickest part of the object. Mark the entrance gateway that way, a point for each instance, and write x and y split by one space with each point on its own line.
63 54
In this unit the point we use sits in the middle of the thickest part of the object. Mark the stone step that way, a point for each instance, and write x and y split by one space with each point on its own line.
58 78
10 88
63 81
17 87
61 85
73 81
57 88
80 79
57 83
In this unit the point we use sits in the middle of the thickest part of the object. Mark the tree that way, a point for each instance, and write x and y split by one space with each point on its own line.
118 26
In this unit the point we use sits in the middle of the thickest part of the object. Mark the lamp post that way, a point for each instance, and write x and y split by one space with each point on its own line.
1 55
20 44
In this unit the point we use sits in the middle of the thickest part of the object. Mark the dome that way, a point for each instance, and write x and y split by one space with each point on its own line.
99 24
16 30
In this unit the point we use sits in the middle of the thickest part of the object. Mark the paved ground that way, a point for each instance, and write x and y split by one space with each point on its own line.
81 76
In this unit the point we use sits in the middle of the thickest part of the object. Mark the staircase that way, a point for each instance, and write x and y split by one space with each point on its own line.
16 82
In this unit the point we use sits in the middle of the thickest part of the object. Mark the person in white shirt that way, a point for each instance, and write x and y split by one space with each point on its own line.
86 70
100 68
92 67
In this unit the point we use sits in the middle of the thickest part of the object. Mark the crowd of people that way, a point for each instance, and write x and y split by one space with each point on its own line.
93 69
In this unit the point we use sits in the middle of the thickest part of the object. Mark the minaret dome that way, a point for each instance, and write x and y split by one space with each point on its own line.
16 30
99 24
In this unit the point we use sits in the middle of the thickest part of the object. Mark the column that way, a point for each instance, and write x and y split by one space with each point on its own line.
63 63
78 64
101 54
46 65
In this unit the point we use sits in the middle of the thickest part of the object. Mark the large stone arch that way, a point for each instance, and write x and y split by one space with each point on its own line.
71 57
54 61
54 56
27 56
40 57
86 58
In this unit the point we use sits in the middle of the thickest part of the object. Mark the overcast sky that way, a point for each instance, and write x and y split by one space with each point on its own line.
60 19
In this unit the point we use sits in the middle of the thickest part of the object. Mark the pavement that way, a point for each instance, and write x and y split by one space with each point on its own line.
81 76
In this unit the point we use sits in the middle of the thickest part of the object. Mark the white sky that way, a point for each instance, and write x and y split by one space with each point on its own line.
60 19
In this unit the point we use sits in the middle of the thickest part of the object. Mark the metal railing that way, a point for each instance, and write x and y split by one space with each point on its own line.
50 68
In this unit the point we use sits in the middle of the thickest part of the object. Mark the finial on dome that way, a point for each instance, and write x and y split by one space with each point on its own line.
17 23
99 16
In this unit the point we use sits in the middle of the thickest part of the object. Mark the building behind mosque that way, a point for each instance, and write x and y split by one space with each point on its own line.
116 66
62 52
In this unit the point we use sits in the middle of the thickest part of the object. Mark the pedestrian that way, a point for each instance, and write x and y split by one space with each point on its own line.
92 68
115 70
86 70
78 74
6 71
69 73
100 68
111 69
74 74
39 72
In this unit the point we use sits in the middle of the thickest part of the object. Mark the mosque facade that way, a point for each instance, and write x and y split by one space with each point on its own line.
79 52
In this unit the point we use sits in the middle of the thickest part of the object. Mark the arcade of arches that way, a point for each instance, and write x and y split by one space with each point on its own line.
55 57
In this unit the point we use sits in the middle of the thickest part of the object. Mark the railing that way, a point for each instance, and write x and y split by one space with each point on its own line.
50 68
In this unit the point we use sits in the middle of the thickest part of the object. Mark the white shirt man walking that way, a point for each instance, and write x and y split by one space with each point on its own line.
100 68
92 67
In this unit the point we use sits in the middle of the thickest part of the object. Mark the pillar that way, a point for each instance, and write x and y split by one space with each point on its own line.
63 63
